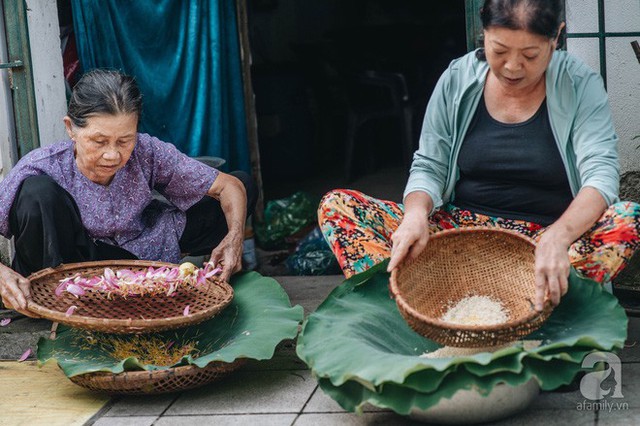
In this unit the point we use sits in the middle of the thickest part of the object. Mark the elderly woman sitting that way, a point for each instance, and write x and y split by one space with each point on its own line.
91 197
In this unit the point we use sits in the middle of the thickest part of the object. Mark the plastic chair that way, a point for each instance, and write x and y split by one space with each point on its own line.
374 95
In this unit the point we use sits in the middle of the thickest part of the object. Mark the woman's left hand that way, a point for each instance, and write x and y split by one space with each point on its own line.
551 269
552 252
233 200
228 255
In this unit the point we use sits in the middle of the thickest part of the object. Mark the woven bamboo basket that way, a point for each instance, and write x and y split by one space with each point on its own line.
144 314
157 381
458 263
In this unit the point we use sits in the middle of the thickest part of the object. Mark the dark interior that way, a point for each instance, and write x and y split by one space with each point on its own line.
341 86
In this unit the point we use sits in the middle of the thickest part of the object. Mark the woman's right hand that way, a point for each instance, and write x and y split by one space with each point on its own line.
14 289
410 239
412 235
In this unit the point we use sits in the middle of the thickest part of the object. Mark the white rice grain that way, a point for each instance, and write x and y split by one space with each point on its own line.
476 310
453 352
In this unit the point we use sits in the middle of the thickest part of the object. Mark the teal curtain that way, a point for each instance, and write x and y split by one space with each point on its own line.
185 56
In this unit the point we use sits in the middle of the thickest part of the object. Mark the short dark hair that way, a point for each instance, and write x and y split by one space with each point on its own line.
542 17
102 91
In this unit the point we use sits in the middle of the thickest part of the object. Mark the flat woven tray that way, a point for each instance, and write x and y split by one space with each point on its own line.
135 314
458 263
158 381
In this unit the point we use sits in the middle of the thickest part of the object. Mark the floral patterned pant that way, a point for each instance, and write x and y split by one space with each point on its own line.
358 228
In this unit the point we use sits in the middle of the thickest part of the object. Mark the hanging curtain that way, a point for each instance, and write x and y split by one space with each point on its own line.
185 57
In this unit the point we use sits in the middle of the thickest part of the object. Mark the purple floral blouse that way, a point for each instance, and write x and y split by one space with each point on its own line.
120 213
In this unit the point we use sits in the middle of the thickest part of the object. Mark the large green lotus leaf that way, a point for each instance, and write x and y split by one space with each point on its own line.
352 395
258 318
515 364
588 316
357 334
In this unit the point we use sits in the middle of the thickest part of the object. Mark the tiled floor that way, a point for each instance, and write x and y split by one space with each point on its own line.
282 392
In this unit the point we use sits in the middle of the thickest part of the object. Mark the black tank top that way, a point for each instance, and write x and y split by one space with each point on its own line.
513 171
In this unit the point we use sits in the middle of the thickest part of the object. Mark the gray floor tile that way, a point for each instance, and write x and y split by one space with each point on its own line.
284 358
557 401
320 402
233 420
349 419
140 405
309 291
534 416
248 392
630 386
126 421
21 334
619 418
631 351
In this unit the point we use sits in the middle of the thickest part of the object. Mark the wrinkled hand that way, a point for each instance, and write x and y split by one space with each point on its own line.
551 270
228 255
410 239
14 289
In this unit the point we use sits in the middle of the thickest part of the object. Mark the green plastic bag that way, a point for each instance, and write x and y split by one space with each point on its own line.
283 218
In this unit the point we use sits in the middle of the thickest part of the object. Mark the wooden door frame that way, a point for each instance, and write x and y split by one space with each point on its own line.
21 76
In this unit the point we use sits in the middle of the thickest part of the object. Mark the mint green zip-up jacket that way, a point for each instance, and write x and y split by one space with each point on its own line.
579 114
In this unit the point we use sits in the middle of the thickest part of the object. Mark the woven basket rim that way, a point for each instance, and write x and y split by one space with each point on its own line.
130 324
160 373
393 286
156 382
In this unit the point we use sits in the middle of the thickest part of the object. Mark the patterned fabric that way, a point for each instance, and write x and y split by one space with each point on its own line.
124 212
358 228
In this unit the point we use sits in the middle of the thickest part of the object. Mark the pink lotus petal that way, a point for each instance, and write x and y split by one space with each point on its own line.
60 288
109 274
70 310
173 274
186 311
126 273
172 289
110 277
93 282
201 278
25 355
213 272
75 289
5 322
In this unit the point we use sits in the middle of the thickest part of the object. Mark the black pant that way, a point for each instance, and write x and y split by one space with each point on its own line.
48 230
206 223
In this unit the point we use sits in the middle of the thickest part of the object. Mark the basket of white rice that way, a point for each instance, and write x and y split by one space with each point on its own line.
471 287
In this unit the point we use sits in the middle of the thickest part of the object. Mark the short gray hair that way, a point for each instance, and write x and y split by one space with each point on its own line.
102 91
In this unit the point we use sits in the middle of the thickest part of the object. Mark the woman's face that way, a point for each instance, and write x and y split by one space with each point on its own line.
104 145
517 58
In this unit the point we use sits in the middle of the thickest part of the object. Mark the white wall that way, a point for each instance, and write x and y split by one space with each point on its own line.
48 77
623 70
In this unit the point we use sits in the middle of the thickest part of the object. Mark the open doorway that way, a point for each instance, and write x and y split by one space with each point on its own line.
310 59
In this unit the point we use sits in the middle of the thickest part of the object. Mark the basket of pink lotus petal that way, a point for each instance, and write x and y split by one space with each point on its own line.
128 296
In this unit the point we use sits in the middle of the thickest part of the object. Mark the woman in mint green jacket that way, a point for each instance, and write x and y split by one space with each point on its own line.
516 135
